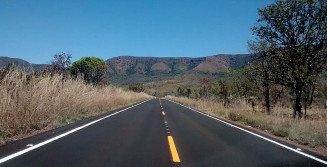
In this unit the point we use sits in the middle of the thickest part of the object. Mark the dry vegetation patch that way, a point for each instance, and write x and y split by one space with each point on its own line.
310 132
28 103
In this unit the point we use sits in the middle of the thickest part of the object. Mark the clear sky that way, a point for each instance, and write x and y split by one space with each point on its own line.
35 30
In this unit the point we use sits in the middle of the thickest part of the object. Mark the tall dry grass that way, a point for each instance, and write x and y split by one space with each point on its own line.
311 132
28 103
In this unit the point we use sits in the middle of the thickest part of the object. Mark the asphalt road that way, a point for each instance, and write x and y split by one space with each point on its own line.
155 133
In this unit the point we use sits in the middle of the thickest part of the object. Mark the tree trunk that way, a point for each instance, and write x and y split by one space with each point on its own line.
297 107
268 102
312 93
267 93
297 103
306 97
305 109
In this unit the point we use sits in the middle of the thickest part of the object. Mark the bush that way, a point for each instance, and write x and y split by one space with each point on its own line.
93 69
136 87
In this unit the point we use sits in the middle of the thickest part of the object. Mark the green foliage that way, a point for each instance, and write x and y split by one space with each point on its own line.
296 31
278 131
92 68
124 88
260 70
242 86
234 116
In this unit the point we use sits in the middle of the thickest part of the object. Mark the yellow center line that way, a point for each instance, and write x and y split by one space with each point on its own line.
163 113
173 150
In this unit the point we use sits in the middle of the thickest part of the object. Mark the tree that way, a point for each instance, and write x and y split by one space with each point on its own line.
63 60
92 68
260 69
206 87
59 64
297 30
188 92
224 92
242 85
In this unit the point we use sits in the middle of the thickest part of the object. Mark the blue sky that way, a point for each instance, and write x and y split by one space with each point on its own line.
35 30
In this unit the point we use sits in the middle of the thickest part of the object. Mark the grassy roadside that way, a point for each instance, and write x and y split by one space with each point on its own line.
28 105
305 132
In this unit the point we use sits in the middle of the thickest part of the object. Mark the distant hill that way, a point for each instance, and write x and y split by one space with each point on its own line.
157 71
129 69
20 63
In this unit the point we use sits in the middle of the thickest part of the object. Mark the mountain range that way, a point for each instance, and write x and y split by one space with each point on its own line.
124 70
129 69
20 63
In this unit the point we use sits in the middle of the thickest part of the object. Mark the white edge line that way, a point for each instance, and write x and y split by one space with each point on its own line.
262 137
63 135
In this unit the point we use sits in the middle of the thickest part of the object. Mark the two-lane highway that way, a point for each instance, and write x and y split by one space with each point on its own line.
158 133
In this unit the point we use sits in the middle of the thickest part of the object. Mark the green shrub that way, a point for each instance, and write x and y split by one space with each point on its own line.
92 68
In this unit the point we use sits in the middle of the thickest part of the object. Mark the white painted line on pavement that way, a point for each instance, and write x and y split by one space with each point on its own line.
262 137
62 135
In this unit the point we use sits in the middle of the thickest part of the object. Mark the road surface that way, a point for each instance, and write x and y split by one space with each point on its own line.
154 133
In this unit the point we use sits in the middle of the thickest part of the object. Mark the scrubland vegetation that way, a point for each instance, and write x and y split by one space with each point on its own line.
30 103
280 122
283 88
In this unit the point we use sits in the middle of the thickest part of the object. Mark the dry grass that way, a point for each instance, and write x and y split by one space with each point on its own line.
309 132
29 104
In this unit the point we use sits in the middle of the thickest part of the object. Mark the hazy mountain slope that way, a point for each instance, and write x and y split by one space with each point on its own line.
127 64
20 63
129 69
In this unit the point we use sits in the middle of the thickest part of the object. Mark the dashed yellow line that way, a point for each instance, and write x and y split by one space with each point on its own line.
160 103
173 149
